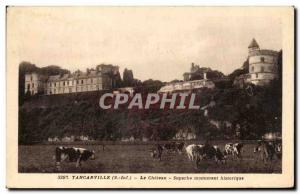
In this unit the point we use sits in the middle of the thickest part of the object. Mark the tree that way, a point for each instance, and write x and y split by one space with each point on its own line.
128 79
210 74
243 70
150 86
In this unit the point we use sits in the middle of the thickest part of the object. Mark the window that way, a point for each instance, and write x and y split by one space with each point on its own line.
77 81
262 69
262 59
252 68
81 81
256 75
64 83
31 78
91 80
54 84
28 86
33 85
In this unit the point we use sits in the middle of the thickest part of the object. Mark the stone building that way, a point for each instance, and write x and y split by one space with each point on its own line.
187 86
262 64
101 78
34 83
195 71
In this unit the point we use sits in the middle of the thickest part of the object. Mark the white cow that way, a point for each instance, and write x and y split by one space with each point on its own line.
233 149
191 151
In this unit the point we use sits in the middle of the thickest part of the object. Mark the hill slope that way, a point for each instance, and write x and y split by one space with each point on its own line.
41 117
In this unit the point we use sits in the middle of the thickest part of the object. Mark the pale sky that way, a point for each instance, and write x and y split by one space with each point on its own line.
157 43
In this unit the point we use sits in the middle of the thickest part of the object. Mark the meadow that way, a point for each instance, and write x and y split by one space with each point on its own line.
135 158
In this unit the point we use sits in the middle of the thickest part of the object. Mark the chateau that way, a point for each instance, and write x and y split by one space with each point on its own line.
101 78
187 86
263 66
195 71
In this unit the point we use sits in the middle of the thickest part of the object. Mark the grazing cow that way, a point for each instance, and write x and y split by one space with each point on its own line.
73 155
204 151
190 151
219 156
157 152
180 146
174 147
266 150
233 149
170 147
278 149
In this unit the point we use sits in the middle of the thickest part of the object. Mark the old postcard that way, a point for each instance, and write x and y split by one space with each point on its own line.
150 97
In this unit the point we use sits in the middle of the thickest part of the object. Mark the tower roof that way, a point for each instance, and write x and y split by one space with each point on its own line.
253 44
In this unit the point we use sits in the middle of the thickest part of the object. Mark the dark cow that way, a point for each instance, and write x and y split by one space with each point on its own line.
266 150
72 154
208 152
180 146
170 147
174 147
278 149
157 152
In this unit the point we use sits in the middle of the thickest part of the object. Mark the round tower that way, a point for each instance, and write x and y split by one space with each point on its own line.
262 64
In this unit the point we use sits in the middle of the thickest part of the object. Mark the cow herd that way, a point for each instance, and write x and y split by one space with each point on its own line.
264 150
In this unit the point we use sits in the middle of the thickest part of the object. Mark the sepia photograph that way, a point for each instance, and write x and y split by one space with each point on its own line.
177 93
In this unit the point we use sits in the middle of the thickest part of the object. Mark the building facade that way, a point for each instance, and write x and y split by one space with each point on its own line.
263 64
34 83
187 86
263 67
101 78
195 71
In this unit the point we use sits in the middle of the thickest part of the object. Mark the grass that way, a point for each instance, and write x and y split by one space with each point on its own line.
137 159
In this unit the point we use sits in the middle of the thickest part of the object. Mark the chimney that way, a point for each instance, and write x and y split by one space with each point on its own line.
204 76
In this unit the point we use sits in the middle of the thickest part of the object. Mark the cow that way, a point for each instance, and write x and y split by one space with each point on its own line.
278 149
219 156
205 152
72 154
192 151
157 152
212 152
180 146
233 149
174 147
170 147
266 150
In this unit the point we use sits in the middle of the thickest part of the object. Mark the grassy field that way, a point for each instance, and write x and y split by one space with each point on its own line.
137 159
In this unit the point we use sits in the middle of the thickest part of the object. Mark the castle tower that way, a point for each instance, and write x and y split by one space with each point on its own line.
262 64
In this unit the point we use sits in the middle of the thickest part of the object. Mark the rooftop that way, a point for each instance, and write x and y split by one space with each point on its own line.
253 44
